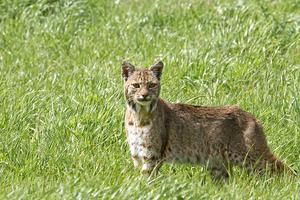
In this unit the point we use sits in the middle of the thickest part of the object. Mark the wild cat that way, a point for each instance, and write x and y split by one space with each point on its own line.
218 137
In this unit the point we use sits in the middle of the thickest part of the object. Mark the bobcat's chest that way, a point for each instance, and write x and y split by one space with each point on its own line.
140 140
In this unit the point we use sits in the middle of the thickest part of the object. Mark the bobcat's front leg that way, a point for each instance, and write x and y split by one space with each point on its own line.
151 165
136 162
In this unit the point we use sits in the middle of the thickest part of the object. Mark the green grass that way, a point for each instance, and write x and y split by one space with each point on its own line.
62 107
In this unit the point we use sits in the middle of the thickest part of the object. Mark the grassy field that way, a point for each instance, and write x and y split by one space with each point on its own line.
62 107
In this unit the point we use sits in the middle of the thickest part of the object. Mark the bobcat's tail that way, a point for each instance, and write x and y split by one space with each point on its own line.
279 167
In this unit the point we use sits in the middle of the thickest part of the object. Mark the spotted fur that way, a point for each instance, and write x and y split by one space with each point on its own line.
218 137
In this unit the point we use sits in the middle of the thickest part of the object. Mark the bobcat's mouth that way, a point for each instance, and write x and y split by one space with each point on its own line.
143 100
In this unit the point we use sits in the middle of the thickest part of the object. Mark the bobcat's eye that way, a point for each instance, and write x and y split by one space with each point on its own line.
136 85
151 85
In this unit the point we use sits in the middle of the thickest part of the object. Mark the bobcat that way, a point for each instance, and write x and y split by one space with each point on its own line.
219 137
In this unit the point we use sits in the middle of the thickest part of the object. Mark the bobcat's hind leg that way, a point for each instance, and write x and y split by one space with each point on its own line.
219 170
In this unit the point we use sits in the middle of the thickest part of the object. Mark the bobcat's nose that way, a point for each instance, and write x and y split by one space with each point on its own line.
143 97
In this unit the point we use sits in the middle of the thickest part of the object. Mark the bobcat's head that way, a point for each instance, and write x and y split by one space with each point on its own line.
142 86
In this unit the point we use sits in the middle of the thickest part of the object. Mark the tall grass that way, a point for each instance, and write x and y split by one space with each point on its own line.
62 107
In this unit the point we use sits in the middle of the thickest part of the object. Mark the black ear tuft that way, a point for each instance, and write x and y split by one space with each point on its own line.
127 70
157 69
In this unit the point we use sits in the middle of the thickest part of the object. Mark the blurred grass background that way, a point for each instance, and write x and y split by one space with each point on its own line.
62 106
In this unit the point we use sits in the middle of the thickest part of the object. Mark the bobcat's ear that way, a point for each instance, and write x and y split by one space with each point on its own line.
157 69
127 70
